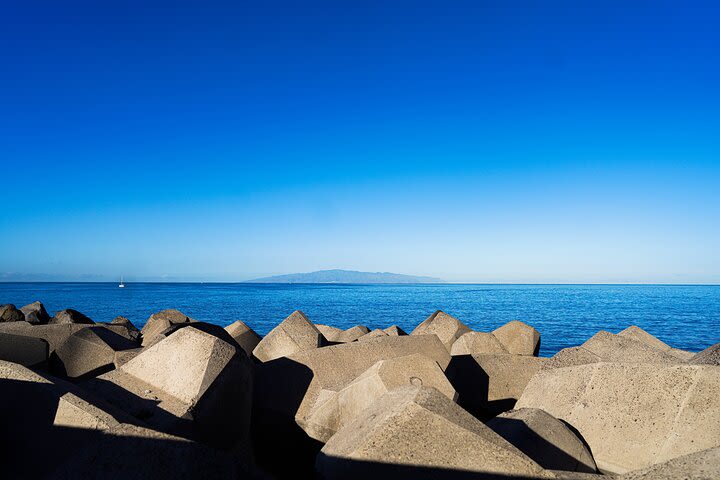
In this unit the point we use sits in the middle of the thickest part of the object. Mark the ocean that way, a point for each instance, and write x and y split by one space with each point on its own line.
686 317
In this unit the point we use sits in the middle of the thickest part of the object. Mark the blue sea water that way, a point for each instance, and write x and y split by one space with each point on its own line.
686 317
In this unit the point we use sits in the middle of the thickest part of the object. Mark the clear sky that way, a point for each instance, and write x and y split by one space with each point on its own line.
480 141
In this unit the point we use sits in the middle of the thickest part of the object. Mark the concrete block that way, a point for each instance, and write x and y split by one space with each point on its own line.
244 336
294 334
633 415
340 408
545 439
417 432
447 328
519 338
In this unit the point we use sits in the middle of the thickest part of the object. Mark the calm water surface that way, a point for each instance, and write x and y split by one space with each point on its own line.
686 317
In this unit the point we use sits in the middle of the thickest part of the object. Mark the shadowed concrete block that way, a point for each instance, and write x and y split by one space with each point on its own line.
8 313
394 331
66 407
703 465
191 384
286 390
54 334
35 313
519 338
373 334
160 321
447 328
709 356
633 415
131 331
339 408
244 336
40 410
545 439
212 329
638 334
490 384
418 427
70 316
121 330
89 351
27 351
132 452
294 334
477 343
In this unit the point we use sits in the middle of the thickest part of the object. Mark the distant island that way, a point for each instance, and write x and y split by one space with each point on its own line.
345 276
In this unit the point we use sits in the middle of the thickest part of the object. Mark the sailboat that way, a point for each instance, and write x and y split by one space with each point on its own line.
122 285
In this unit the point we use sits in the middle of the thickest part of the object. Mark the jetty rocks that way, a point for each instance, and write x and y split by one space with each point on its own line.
182 398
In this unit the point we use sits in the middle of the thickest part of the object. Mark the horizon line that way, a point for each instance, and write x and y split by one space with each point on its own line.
375 283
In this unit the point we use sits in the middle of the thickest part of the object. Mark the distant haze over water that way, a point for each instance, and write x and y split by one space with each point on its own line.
685 317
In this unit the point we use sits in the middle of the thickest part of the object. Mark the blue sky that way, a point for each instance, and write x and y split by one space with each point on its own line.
473 141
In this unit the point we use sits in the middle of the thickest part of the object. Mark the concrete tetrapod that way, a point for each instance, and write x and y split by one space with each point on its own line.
294 334
709 356
35 313
190 384
545 439
329 332
89 351
447 328
55 334
244 336
637 333
287 389
336 366
518 338
9 313
40 410
373 334
623 348
27 351
633 415
569 357
472 343
417 432
131 331
491 384
160 321
291 386
394 330
131 452
340 408
210 328
352 334
608 347
70 316
338 335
